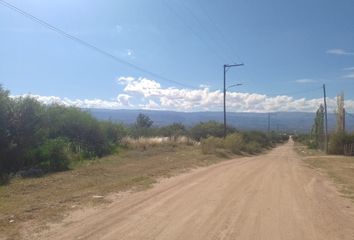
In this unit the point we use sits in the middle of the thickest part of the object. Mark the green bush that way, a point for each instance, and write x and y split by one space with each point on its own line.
258 137
234 142
252 142
252 147
211 144
306 140
174 130
337 142
210 128
54 155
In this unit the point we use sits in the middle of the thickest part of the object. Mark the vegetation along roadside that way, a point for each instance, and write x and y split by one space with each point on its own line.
56 158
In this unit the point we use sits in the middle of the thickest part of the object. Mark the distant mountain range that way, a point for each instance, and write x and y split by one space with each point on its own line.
281 121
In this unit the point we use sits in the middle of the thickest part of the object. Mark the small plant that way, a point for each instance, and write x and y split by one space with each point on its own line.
211 144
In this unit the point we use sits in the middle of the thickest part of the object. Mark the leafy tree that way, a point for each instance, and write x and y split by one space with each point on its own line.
143 127
143 121
26 131
33 135
4 131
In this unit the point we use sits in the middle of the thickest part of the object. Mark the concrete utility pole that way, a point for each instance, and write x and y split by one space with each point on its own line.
269 121
326 119
226 68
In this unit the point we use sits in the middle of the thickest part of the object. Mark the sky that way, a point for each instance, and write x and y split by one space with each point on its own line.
289 48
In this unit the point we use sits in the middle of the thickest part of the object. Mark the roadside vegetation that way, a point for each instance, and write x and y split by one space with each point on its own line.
54 158
340 142
38 139
40 201
339 168
252 142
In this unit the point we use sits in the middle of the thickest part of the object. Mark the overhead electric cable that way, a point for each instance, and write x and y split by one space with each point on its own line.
296 93
89 45
221 34
190 28
207 31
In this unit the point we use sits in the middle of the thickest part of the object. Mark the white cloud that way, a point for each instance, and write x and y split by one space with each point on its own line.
204 99
339 51
124 99
81 103
305 80
151 105
149 94
349 76
348 69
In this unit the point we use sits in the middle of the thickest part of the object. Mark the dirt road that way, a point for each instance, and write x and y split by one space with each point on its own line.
272 196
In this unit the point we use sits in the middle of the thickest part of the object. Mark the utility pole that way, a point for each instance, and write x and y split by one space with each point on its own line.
326 119
226 68
343 119
269 123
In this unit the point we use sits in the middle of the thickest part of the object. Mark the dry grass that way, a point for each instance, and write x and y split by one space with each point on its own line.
339 169
47 199
146 142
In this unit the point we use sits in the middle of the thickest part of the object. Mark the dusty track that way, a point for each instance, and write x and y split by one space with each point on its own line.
272 196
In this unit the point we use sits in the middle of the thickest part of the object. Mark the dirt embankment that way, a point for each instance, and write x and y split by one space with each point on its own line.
272 196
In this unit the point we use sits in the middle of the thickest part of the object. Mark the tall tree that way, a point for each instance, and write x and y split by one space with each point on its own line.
340 114
318 128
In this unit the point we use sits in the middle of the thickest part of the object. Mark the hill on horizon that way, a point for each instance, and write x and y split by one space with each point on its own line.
279 121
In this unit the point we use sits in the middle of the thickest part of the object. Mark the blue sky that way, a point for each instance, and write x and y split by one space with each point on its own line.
289 49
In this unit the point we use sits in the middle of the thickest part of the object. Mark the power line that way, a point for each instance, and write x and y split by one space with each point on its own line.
296 93
190 28
221 34
206 30
89 45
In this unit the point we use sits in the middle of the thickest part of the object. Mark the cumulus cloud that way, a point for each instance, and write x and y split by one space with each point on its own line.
170 98
81 103
339 51
149 94
123 99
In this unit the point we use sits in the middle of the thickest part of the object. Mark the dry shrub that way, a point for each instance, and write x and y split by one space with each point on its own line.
234 143
146 142
211 144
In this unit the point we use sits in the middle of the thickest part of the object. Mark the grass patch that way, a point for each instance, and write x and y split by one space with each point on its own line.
339 169
48 198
